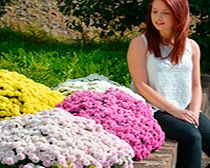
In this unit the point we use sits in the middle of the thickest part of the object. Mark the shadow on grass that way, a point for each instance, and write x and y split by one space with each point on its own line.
12 40
49 61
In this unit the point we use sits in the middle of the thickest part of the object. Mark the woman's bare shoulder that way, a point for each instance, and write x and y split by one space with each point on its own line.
194 44
139 42
137 49
195 48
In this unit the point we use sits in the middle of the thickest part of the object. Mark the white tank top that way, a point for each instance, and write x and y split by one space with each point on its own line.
173 82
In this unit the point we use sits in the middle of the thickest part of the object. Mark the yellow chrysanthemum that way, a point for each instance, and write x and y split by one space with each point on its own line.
20 95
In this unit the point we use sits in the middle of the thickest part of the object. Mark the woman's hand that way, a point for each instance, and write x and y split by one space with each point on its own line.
186 115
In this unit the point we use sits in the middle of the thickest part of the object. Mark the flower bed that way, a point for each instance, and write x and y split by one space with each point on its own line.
109 126
120 114
94 82
55 136
20 95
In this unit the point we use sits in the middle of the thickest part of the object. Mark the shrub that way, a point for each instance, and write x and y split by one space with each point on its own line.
201 32
109 16
3 3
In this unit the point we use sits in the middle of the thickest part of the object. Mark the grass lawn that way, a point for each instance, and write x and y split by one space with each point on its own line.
48 61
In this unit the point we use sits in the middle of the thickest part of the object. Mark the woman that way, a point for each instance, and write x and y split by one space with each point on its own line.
165 68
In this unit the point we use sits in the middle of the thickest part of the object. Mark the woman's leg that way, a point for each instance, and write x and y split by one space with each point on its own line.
187 136
204 128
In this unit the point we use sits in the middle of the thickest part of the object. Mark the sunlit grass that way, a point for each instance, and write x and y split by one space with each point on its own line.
50 62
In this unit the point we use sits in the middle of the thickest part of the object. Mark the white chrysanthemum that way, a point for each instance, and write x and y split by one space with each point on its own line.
57 136
94 82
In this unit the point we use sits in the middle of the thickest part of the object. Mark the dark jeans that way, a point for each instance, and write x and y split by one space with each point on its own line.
191 140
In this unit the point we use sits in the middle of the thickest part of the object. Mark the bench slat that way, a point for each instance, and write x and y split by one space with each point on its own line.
165 157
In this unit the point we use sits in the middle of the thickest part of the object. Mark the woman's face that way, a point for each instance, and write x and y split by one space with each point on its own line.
161 15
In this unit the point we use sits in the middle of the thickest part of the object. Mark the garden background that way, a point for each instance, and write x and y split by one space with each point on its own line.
48 46
35 41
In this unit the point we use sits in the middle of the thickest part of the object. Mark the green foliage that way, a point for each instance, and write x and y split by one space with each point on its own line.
108 15
201 33
117 166
51 62
3 3
24 162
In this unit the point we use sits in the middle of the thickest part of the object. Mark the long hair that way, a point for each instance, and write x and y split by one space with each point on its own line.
180 11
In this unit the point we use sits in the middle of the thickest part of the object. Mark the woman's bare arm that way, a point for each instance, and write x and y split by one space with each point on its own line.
137 57
195 104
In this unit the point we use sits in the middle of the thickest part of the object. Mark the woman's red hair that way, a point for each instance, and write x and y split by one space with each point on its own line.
180 10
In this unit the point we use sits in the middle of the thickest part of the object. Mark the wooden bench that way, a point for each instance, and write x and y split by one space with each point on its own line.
165 157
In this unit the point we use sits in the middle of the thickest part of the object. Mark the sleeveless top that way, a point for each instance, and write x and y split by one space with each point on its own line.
173 82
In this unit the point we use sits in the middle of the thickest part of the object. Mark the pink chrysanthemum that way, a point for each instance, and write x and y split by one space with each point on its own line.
121 114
